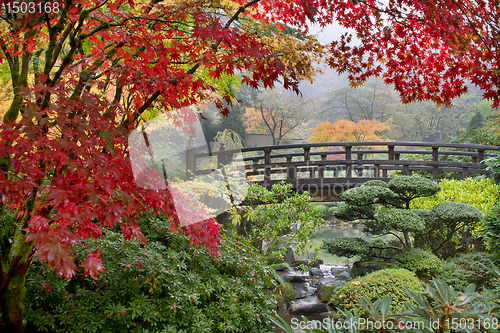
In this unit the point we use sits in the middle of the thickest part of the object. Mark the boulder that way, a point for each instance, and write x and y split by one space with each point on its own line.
362 268
289 256
301 262
316 272
317 263
324 285
294 276
281 267
307 306
303 289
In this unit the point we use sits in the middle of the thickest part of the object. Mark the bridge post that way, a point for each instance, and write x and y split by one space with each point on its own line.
190 159
307 154
267 156
406 170
464 173
321 169
267 168
435 158
291 171
348 166
359 169
480 155
390 157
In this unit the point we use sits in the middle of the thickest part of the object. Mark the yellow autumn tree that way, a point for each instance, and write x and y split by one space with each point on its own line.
347 131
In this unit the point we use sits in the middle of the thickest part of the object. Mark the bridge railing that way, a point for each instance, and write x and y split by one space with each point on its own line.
350 162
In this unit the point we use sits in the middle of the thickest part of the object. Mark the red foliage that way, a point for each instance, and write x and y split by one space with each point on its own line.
429 50
64 157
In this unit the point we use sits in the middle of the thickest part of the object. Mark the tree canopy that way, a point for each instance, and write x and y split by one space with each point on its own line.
82 74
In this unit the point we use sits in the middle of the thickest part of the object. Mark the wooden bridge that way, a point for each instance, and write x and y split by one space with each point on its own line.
325 170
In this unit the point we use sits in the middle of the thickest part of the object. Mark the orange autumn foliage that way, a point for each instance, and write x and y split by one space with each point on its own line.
347 131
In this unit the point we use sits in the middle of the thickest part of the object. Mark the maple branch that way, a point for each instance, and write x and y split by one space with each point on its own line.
53 32
239 11
99 6
195 67
61 40
477 33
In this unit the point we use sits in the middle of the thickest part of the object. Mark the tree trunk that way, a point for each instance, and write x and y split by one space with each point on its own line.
12 285
11 303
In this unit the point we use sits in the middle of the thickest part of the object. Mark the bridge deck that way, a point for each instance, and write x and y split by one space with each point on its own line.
327 169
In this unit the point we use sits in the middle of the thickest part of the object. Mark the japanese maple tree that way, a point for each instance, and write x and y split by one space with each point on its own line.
427 49
345 130
82 73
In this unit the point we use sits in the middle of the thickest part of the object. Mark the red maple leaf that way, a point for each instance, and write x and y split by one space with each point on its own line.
93 264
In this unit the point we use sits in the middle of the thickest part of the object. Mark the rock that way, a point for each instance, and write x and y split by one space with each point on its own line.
289 256
316 272
310 305
303 290
337 269
281 267
301 262
343 275
294 276
325 280
362 268
317 263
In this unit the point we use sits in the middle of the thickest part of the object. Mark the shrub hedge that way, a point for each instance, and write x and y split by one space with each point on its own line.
385 282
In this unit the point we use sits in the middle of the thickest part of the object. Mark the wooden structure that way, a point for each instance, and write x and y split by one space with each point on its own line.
325 170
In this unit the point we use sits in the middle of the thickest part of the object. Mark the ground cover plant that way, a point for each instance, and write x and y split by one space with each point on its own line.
166 285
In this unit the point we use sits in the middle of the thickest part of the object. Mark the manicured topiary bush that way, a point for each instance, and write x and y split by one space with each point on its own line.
322 209
385 282
424 264
167 286
385 209
332 210
409 187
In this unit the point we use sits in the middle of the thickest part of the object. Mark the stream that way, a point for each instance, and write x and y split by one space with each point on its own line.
329 260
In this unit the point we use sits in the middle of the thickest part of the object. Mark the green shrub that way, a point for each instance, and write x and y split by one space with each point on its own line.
322 209
274 219
375 182
366 195
491 224
166 286
351 212
411 187
332 210
346 246
386 282
481 193
474 267
423 263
